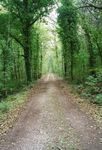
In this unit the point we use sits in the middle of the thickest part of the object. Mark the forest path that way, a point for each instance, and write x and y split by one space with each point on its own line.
52 121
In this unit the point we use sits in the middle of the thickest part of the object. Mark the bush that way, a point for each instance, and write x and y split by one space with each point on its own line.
4 108
92 89
98 99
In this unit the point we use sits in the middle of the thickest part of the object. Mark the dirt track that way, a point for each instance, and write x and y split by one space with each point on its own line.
52 121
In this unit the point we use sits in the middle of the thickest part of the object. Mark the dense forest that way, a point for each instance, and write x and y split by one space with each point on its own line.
30 47
80 32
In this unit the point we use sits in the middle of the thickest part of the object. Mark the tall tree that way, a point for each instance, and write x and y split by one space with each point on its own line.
25 13
67 20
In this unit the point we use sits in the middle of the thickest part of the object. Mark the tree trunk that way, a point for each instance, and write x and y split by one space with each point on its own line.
27 62
4 72
72 65
27 55
65 63
26 35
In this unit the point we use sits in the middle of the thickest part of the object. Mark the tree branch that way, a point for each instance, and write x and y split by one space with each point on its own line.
91 6
16 39
36 18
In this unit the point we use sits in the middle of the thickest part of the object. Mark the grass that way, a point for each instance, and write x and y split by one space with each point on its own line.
12 102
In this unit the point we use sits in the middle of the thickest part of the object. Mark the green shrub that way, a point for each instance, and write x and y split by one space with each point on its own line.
92 89
98 99
4 108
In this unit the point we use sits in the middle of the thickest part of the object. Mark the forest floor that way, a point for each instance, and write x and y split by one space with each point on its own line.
53 120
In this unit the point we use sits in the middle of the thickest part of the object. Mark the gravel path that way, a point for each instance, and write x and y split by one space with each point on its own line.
52 121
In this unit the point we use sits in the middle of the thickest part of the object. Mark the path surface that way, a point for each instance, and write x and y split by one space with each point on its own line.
51 121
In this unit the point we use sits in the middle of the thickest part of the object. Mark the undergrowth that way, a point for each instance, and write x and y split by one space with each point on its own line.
12 102
92 89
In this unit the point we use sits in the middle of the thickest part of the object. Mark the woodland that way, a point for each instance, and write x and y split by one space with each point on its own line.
70 47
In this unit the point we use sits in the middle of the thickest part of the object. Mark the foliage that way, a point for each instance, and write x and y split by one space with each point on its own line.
12 102
4 108
67 21
23 15
21 46
98 99
72 48
92 89
80 26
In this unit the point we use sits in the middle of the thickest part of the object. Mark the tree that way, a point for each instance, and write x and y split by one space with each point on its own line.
67 20
25 13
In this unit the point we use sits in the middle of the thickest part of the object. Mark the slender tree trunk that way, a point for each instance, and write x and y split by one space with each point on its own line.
4 72
37 59
65 64
65 70
15 69
41 61
18 66
72 61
